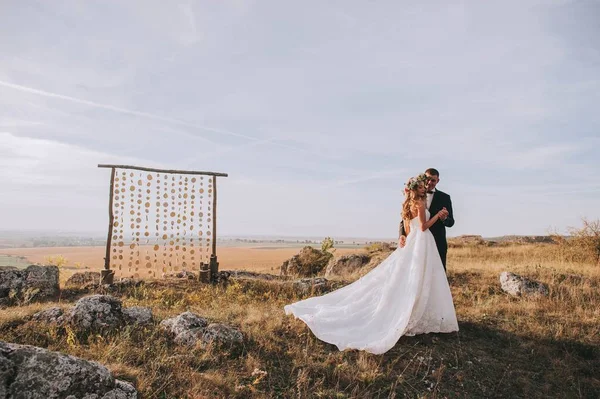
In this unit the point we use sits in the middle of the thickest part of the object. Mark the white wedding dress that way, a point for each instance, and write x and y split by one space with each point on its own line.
406 294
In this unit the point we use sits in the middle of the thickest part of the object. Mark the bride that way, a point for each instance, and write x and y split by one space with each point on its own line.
406 294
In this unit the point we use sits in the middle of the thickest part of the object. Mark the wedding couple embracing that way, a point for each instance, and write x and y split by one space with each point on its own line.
406 294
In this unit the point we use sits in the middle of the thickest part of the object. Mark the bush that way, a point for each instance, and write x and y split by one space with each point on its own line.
57 260
327 244
582 245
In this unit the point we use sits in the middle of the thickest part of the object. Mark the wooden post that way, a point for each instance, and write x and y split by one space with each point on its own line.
107 275
214 264
204 275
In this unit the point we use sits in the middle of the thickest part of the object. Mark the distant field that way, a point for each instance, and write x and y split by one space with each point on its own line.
13 260
260 259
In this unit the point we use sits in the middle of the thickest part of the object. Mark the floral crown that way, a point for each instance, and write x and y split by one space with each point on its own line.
413 182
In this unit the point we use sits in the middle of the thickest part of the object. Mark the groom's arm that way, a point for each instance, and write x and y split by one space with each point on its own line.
401 229
449 221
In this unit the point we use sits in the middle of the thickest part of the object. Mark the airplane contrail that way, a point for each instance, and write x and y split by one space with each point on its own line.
122 110
148 115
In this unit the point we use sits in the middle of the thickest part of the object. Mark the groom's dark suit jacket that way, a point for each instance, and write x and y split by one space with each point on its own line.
440 200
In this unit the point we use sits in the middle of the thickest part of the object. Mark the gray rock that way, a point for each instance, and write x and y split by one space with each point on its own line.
307 263
52 315
97 313
346 264
31 372
138 315
123 390
33 284
516 285
82 279
41 283
222 335
311 285
187 328
190 329
7 372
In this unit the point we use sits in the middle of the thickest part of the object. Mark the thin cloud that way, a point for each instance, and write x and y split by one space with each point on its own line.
373 176
122 110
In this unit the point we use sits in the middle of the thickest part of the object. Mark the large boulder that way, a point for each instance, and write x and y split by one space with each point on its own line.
33 284
31 372
346 264
308 262
516 285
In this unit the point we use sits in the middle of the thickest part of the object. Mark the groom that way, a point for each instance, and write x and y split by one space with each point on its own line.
436 201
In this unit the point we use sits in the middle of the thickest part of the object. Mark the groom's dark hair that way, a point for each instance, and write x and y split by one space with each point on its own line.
433 172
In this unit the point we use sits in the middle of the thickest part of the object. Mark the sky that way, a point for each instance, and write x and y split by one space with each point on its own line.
318 111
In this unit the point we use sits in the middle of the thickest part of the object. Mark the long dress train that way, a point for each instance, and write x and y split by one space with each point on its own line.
406 294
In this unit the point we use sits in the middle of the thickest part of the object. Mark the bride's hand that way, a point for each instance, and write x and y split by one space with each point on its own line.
402 241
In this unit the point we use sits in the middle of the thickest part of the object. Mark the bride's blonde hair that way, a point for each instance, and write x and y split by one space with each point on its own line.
412 197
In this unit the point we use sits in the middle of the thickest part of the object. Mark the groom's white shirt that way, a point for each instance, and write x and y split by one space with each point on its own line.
430 198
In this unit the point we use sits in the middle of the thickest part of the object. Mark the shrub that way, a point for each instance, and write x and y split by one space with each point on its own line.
582 244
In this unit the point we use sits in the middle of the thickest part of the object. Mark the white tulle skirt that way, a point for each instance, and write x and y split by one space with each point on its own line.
407 294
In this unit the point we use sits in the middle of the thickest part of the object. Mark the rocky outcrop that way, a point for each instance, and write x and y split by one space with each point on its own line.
96 313
84 279
516 285
308 262
31 372
346 264
33 284
190 329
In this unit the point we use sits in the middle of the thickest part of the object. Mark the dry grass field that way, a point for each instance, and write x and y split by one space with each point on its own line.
258 259
506 348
